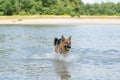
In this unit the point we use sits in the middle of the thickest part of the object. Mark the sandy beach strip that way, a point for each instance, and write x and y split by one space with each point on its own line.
60 21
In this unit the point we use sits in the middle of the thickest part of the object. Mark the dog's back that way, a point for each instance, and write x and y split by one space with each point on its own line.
57 41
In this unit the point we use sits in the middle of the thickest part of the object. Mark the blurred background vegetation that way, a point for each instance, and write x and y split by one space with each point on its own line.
57 7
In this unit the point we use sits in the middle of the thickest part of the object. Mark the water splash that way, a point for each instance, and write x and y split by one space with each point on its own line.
54 56
69 58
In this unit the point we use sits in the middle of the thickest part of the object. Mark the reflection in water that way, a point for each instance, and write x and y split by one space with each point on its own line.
61 68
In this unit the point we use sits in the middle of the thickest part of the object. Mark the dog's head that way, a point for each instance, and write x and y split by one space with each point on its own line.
66 43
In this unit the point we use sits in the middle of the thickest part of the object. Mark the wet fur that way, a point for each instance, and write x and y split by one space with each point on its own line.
62 45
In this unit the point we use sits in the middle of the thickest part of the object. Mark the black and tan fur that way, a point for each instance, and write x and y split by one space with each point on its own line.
62 45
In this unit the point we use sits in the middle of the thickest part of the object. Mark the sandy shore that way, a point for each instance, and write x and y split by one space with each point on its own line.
59 21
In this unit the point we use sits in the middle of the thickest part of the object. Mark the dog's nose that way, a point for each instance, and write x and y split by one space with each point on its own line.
68 46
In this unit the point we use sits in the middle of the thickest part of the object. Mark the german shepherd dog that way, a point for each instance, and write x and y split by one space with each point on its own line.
62 45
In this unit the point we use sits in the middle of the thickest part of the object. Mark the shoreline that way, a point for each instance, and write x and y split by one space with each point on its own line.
32 20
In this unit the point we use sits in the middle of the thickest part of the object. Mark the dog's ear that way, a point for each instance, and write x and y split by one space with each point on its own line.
70 38
63 37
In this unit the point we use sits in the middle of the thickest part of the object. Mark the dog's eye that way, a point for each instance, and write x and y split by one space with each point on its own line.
66 43
70 43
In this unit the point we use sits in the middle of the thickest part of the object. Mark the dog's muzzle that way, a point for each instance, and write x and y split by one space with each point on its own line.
67 48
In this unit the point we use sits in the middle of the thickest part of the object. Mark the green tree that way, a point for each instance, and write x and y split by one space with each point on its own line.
118 8
36 7
7 7
1 8
77 7
108 8
57 7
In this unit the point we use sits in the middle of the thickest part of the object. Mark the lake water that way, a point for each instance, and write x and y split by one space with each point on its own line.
27 53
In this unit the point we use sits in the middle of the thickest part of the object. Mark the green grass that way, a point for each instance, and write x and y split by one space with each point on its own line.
31 17
102 17
18 17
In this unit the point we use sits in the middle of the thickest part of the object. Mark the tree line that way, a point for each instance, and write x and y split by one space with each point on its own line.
57 7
